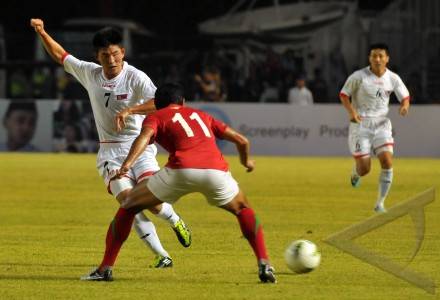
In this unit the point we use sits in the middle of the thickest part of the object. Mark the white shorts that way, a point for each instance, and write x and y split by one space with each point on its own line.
168 185
112 155
372 134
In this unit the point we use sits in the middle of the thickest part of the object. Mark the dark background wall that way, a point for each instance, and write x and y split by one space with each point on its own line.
166 17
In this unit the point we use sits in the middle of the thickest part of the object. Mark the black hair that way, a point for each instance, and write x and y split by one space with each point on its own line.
106 37
20 105
168 93
381 46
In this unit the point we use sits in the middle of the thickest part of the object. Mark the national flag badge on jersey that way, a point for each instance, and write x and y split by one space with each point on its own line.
122 97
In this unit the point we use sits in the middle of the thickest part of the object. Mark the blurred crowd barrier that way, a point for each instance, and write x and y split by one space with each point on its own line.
210 76
273 129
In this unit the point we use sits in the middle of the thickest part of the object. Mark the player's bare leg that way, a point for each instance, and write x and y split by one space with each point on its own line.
253 232
166 212
119 230
146 231
385 179
140 198
361 168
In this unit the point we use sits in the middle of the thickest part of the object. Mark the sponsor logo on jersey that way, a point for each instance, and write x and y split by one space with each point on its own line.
109 85
379 82
122 97
381 93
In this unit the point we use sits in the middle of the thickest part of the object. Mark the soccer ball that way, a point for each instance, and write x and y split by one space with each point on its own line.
302 256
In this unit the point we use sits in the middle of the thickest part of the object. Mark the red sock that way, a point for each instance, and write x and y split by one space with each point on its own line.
253 232
117 233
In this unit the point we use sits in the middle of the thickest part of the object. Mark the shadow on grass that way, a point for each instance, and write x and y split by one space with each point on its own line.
45 265
289 274
53 278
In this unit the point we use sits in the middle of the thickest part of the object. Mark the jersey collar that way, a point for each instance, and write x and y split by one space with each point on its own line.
371 72
174 106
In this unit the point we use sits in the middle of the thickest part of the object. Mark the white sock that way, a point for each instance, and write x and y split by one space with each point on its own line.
385 180
147 232
168 214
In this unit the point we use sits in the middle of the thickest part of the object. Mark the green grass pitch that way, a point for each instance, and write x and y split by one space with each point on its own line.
54 213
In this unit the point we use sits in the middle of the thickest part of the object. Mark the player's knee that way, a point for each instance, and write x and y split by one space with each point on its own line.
386 161
364 170
132 206
122 196
386 164
128 202
155 209
238 204
125 204
234 206
242 205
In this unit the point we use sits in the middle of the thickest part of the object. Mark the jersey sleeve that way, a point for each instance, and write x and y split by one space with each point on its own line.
351 84
147 89
218 127
153 122
78 68
400 89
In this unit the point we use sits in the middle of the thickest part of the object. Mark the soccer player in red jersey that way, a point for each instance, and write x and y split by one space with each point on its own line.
195 164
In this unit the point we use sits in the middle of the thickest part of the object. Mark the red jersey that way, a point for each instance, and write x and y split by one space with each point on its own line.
189 136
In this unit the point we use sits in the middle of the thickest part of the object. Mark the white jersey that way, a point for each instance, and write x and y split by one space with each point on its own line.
370 95
300 96
108 97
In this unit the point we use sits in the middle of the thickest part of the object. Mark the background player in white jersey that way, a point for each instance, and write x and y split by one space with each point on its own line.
114 86
369 90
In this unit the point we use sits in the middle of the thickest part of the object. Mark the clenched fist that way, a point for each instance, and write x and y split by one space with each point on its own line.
38 25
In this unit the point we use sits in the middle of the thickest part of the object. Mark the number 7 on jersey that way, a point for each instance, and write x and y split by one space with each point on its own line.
194 116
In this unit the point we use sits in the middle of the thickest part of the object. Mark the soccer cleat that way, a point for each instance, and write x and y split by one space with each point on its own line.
183 233
97 276
380 209
266 273
355 180
162 262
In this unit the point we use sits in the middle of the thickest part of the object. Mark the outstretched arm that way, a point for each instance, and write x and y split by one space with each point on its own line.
52 47
141 109
139 145
242 144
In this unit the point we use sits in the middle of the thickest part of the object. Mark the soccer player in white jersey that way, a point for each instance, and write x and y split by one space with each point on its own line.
115 86
365 96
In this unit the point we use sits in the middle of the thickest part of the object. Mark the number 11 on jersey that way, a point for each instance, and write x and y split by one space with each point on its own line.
194 116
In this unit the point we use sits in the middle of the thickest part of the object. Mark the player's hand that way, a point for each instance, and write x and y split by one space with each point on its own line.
120 119
355 118
250 165
38 25
118 174
403 110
